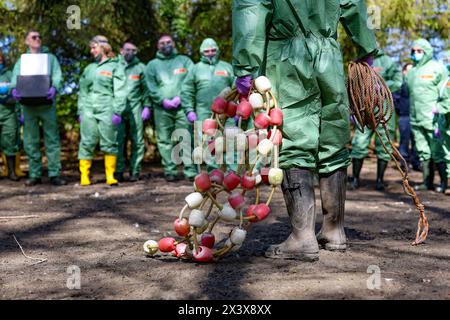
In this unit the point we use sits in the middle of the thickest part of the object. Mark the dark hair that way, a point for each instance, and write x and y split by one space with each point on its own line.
165 35
30 31
405 66
130 41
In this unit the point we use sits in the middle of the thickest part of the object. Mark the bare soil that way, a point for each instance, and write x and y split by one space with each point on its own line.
101 230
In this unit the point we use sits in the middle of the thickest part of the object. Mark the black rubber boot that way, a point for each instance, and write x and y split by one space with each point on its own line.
298 191
119 176
381 168
134 177
428 176
357 166
57 181
332 192
32 182
442 169
11 163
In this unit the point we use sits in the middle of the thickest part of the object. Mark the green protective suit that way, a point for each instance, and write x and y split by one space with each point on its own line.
165 76
132 124
8 119
204 83
102 93
392 75
46 116
424 82
444 116
294 44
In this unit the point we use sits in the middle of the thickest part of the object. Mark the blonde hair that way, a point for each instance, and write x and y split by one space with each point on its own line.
102 41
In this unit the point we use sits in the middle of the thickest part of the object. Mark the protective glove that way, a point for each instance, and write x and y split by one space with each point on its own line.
116 119
15 94
4 89
367 59
176 101
191 116
167 104
437 133
236 119
146 114
435 110
243 85
21 120
51 93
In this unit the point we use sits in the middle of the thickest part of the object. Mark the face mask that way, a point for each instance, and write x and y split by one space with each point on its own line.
129 57
167 49
416 56
98 58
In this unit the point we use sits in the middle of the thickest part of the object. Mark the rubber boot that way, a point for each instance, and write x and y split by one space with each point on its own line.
110 168
298 191
85 168
17 169
442 169
5 167
428 175
10 164
332 192
119 176
357 166
381 168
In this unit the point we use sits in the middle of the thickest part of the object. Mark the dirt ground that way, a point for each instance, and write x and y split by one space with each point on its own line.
101 230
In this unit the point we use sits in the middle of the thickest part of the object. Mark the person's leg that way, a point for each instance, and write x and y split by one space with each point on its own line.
181 123
424 152
32 145
165 125
360 150
438 156
108 144
89 138
383 155
122 144
405 137
52 141
136 133
8 130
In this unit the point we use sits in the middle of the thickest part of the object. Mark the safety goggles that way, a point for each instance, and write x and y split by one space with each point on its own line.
417 50
36 37
163 43
128 50
210 51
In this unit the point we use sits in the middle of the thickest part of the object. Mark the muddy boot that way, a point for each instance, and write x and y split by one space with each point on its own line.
11 165
332 192
442 169
357 166
381 168
428 175
298 191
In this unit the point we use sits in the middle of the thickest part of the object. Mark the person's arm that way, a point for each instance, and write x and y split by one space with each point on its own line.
354 20
120 90
146 101
153 85
83 92
250 22
394 77
56 73
444 94
15 73
188 89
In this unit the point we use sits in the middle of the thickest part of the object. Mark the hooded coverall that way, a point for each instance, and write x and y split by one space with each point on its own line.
8 119
132 123
46 116
164 76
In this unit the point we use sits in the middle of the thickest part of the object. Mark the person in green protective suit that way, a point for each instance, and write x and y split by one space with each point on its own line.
43 114
137 110
205 81
294 44
444 118
392 74
8 122
101 103
165 75
425 81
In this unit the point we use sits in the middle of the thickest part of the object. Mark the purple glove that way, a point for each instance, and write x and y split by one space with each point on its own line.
21 120
236 119
191 116
51 93
176 102
15 94
435 110
146 114
116 119
243 85
167 104
437 133
367 59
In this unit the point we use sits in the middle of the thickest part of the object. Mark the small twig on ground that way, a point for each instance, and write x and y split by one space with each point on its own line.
21 249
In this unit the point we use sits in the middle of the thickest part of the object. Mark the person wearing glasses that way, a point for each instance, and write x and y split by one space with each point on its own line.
425 81
101 103
42 114
137 110
165 75
204 83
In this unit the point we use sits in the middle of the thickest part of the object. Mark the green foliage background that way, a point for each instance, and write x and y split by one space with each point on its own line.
190 21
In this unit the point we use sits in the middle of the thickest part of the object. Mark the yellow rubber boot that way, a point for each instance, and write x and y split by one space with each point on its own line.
85 167
4 172
110 168
19 172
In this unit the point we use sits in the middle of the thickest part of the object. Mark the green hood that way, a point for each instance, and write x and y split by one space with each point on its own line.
425 46
209 43
161 56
